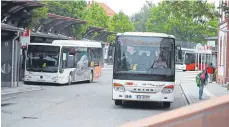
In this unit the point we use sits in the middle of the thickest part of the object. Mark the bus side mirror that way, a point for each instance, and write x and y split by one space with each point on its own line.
179 54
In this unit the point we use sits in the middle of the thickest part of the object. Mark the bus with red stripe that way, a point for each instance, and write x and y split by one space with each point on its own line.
192 60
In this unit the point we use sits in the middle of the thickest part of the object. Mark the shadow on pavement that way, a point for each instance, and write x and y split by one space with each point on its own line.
144 105
57 85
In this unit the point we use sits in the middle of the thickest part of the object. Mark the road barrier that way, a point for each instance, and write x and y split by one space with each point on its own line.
209 113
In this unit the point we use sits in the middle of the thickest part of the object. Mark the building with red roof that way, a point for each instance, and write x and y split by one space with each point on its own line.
107 9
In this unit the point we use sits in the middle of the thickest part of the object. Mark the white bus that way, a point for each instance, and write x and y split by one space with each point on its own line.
63 62
144 68
181 63
191 62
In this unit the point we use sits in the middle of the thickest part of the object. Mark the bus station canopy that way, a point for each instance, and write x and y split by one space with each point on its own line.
18 13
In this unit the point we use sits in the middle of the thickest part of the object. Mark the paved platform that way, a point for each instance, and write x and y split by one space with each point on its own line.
191 91
20 89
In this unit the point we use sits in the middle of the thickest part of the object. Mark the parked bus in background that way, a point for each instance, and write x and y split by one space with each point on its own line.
191 62
63 62
144 68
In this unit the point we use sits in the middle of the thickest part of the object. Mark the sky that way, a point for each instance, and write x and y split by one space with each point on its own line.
130 7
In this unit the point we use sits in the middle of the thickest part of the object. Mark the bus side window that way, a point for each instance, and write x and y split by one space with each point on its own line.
69 61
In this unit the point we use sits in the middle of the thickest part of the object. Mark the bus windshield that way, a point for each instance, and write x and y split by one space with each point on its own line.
145 56
42 58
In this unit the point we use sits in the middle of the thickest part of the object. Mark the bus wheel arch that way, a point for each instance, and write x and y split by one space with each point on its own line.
91 76
70 78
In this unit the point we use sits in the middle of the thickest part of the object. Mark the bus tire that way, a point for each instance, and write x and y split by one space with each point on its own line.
70 79
90 77
118 102
26 83
167 104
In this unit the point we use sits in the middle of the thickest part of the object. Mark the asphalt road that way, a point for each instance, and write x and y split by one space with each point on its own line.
78 105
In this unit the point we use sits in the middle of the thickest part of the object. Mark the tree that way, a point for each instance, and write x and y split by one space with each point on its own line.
121 23
187 20
96 16
74 9
38 14
141 17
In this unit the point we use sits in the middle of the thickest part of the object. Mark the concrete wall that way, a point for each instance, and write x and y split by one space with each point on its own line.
209 113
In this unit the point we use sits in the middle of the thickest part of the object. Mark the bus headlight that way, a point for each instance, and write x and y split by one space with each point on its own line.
119 87
27 76
168 89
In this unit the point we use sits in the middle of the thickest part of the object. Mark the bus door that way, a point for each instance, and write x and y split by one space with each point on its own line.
96 61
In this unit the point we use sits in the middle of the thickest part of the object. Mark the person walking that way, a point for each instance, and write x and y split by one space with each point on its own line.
201 80
210 71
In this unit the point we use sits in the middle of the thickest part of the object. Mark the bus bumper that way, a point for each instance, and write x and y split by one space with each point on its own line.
32 80
151 97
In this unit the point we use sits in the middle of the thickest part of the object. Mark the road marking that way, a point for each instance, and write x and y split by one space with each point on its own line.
209 93
186 94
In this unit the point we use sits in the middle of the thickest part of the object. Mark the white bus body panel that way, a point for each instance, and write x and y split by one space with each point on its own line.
155 96
59 78
180 66
45 77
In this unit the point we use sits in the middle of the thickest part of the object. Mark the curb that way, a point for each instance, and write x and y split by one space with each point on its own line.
209 93
185 93
21 91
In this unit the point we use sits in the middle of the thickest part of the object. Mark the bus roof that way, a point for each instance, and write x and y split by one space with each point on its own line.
146 34
188 49
78 43
75 43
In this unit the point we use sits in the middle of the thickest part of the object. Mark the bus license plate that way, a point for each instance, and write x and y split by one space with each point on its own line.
143 97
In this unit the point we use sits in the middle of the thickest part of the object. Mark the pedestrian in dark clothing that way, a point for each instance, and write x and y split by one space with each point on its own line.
210 71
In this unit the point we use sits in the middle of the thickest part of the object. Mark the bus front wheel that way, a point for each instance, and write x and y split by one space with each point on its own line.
166 104
69 79
90 77
118 102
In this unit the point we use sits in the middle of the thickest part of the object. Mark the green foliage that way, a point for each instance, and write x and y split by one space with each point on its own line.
141 17
96 16
37 15
187 20
74 9
121 23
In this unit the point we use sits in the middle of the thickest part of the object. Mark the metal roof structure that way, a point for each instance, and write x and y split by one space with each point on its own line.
72 43
18 13
10 27
91 30
103 35
57 24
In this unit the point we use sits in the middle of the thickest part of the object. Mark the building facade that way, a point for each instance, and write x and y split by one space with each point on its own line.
223 45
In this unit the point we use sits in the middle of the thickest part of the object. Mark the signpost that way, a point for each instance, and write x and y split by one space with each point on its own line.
25 37
202 51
